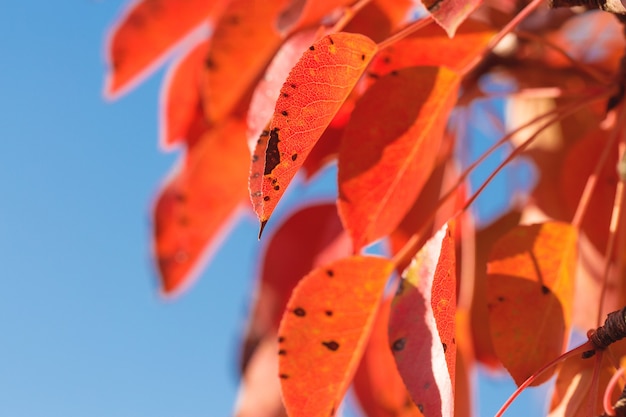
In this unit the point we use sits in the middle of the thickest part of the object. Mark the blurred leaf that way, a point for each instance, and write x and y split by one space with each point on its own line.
449 14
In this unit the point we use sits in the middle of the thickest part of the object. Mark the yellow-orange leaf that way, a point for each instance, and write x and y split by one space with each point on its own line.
324 331
388 152
309 99
530 289
146 31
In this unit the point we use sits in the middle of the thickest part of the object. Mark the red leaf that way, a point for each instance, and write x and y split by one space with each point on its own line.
449 14
323 332
311 237
196 203
180 99
421 326
388 152
144 34
530 290
242 44
313 93
431 46
377 383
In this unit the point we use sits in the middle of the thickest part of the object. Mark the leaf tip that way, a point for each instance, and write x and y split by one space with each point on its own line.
263 223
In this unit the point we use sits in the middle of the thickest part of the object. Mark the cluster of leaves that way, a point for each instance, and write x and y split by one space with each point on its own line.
386 89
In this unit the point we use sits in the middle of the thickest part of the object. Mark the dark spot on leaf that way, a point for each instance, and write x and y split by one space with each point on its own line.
277 187
292 85
373 75
266 198
330 273
283 376
209 63
400 289
329 313
501 298
281 339
454 341
272 154
294 156
274 181
284 113
285 95
332 411
311 48
363 57
387 60
331 40
255 158
398 345
282 352
299 312
332 345
265 133
421 408
588 354
180 197
394 73
445 347
234 20
183 221
545 290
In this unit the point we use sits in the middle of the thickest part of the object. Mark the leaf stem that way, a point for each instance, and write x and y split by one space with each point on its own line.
578 350
523 14
404 32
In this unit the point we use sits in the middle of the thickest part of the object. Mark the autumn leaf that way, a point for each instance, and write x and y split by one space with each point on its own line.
309 99
324 330
388 152
180 100
377 384
449 14
430 46
240 49
310 237
146 32
300 14
196 203
530 290
422 329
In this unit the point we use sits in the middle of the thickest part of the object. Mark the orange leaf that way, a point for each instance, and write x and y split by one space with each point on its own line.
388 152
196 203
311 237
180 99
144 34
449 14
242 44
324 330
313 93
530 290
422 329
300 14
377 383
431 46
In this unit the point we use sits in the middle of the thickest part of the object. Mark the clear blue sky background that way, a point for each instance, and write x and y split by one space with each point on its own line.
82 330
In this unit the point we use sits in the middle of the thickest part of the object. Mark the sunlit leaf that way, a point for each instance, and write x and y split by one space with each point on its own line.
309 99
530 290
422 326
242 44
145 32
300 14
388 152
197 202
449 14
377 384
180 99
324 330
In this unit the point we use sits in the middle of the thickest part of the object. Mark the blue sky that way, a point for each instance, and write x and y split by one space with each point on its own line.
82 329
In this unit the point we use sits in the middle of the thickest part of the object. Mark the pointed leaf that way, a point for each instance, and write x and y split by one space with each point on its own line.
377 383
145 32
180 99
324 330
388 152
530 289
242 45
421 326
196 203
313 93
311 237
449 14
431 46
